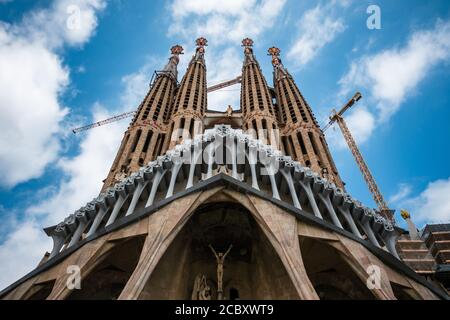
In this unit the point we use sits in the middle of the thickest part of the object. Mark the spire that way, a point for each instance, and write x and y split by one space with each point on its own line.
278 67
301 136
199 55
171 66
256 99
191 99
143 141
293 106
247 43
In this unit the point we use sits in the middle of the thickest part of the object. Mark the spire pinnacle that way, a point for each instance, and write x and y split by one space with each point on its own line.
275 53
201 42
176 50
200 51
276 62
247 43
171 66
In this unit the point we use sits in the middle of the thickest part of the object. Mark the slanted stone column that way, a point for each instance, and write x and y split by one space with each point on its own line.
155 184
281 230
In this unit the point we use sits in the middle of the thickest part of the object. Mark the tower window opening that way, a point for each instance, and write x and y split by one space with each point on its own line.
264 132
160 100
302 143
161 138
249 91
169 107
264 124
191 128
255 127
289 103
152 99
147 141
155 153
136 139
285 147
313 143
291 147
182 121
298 101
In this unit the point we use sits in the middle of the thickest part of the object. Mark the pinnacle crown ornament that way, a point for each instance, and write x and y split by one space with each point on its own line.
201 42
177 49
247 42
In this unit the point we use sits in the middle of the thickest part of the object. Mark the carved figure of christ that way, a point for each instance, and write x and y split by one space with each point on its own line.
220 258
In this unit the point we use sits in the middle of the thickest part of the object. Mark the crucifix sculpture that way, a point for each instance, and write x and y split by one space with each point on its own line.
220 258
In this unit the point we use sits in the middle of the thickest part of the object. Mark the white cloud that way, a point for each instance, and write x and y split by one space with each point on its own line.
393 75
182 8
32 79
360 122
82 181
21 251
84 172
65 22
432 205
316 28
402 193
221 21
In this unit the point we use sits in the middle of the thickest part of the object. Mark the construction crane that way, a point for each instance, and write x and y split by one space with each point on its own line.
122 116
373 187
103 122
224 84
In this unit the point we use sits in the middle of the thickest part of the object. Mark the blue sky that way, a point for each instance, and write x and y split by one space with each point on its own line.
57 73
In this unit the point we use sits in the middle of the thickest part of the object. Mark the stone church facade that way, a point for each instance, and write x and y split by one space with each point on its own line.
207 205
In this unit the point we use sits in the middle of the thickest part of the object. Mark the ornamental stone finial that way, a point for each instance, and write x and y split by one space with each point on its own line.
201 42
275 53
200 51
413 234
405 214
177 50
247 42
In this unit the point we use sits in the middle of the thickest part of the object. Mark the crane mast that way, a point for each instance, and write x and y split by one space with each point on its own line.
368 177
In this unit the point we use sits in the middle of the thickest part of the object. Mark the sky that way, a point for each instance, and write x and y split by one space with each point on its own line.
67 63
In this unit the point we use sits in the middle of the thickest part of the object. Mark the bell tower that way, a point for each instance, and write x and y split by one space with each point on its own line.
256 102
191 99
301 135
143 141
